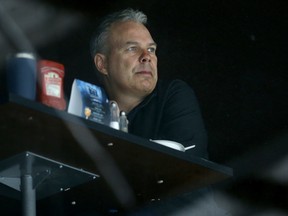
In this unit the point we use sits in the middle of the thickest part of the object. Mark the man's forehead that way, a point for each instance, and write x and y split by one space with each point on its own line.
130 32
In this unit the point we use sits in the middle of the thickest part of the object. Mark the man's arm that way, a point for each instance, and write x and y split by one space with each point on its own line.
182 119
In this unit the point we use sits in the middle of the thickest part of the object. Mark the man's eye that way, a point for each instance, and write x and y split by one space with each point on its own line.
152 49
131 48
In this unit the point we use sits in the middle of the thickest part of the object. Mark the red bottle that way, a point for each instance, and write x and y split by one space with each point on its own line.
51 81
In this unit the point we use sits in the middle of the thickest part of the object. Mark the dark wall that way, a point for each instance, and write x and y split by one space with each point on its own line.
231 52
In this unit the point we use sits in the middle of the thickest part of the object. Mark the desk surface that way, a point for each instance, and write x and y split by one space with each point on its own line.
132 170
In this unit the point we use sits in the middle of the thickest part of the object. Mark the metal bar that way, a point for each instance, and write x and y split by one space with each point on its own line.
28 196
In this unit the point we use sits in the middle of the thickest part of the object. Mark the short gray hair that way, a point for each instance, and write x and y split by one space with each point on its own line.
98 43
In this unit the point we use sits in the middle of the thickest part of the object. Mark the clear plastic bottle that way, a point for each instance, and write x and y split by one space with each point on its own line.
123 122
114 115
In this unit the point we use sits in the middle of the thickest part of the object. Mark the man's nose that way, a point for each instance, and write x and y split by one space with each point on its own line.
145 57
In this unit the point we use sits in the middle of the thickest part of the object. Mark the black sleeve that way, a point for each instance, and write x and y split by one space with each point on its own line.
182 120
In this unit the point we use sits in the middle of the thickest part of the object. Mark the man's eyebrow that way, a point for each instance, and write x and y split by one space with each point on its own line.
153 44
136 43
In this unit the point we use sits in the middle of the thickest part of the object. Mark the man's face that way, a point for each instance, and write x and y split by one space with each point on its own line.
131 63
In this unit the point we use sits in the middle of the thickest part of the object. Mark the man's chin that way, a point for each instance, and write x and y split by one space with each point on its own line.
148 86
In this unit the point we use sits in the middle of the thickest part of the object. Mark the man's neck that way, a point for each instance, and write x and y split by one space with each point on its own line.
127 103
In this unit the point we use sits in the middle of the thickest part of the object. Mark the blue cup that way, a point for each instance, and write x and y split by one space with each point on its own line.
22 75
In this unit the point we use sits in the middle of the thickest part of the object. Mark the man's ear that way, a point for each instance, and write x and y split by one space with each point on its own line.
100 63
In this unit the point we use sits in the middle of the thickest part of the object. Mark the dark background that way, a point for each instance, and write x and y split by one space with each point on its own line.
233 54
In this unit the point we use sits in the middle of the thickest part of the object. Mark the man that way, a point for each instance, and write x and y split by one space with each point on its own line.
124 54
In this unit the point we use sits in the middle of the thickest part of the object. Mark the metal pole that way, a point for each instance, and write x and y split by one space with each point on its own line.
28 196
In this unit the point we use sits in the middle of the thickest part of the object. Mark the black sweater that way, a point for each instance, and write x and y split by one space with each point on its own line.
171 112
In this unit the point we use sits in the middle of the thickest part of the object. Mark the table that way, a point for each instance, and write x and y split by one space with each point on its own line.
132 170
